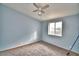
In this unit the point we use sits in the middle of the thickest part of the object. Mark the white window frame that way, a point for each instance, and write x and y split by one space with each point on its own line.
54 29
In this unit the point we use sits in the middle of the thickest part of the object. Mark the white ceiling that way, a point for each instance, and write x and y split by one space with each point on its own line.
55 10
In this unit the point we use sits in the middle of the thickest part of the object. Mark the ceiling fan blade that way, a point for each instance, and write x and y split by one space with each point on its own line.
46 6
35 5
35 10
42 11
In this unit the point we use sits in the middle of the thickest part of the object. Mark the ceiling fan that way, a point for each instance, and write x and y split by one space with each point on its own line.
40 9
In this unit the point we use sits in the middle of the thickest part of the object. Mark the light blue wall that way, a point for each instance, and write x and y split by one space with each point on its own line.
17 29
70 31
0 24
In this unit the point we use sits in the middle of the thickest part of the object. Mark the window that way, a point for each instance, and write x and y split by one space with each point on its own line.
55 28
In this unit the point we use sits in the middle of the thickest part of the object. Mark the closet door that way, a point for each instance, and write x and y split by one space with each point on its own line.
76 47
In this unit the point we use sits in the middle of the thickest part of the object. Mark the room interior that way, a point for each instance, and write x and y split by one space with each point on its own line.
34 25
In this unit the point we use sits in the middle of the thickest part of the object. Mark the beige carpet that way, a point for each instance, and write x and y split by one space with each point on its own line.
36 49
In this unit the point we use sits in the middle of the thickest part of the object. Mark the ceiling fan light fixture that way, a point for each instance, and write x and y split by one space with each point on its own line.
40 9
40 13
